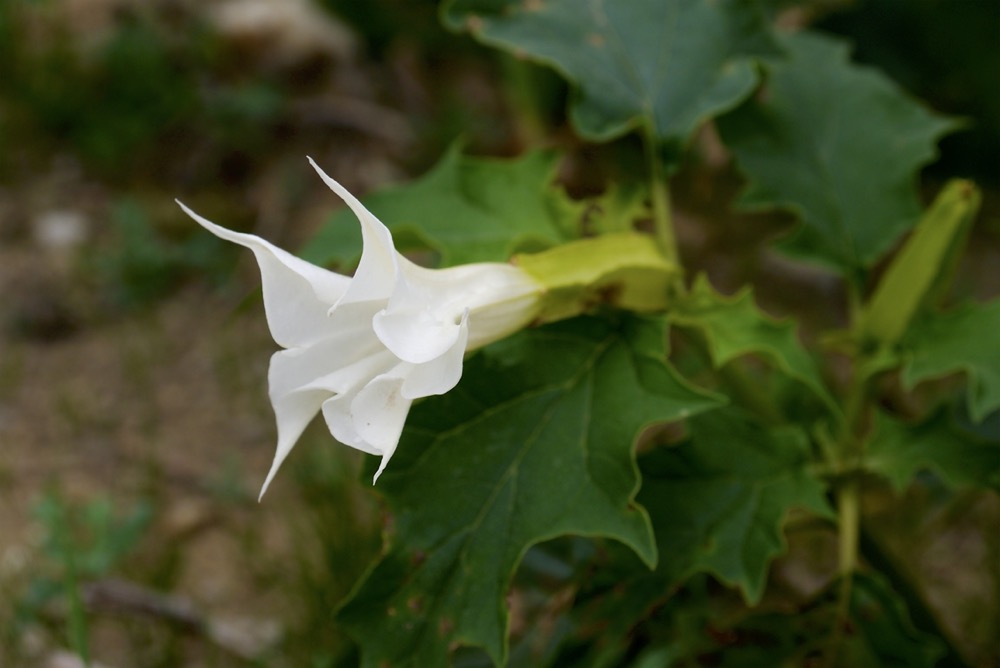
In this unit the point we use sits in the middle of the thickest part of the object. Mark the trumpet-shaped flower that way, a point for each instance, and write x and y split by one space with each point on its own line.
361 350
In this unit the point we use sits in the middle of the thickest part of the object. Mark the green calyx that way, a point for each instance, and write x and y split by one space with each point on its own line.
624 270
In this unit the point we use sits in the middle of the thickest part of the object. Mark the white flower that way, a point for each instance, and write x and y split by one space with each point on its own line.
362 349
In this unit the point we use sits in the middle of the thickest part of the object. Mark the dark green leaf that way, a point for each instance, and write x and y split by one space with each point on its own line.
466 209
734 326
839 145
899 451
718 501
667 64
886 634
537 441
962 340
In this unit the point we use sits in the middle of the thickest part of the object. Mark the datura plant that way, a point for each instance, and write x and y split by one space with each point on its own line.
361 350
608 455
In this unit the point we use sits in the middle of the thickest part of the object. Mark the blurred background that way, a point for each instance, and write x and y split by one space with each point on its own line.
135 429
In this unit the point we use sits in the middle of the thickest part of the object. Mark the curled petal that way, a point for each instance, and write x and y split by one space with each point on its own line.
297 295
376 273
442 374
379 412
371 419
413 327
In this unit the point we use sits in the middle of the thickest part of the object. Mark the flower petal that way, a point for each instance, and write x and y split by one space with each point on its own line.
337 414
350 341
292 414
411 329
372 418
379 412
376 273
297 294
441 374
350 378
421 319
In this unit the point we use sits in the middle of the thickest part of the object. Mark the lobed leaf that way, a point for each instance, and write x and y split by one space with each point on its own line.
536 441
963 340
665 64
886 635
466 209
734 326
718 502
839 145
900 451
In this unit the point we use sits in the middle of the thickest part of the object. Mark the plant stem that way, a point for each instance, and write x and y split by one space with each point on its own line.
659 194
849 516
850 448
523 93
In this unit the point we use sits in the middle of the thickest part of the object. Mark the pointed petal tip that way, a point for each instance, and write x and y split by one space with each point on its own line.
319 170
381 467
267 480
201 220
335 186
184 207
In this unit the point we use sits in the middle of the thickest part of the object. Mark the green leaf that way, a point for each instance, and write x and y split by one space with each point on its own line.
734 326
962 340
922 263
837 144
886 634
618 208
718 501
536 441
466 209
899 451
665 64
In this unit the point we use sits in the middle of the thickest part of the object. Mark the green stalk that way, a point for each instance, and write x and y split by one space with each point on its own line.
660 198
522 90
850 449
